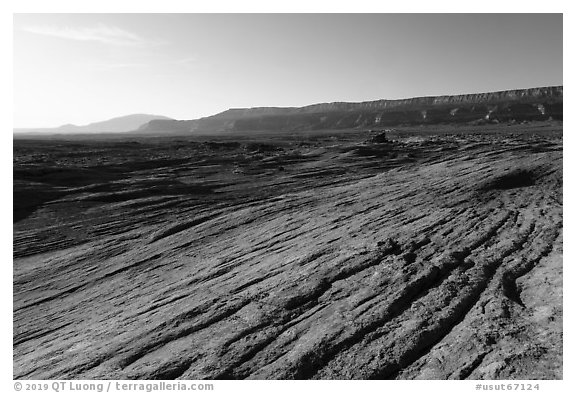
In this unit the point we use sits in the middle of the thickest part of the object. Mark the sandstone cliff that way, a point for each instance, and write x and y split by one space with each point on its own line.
534 104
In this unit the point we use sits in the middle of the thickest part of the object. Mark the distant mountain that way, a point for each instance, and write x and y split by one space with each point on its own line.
117 124
535 104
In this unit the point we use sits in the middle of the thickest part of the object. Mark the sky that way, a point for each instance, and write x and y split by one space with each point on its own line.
83 68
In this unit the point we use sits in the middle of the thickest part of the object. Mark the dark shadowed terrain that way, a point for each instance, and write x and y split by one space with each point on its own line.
435 254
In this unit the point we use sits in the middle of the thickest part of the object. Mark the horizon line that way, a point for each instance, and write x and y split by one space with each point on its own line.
289 107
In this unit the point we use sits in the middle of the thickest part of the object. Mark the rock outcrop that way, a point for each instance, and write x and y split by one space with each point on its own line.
426 258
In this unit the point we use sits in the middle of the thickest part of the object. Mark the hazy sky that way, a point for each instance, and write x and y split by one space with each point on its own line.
81 68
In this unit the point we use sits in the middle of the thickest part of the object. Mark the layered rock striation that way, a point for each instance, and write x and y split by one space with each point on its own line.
536 104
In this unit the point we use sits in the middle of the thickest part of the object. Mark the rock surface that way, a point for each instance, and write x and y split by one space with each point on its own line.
433 257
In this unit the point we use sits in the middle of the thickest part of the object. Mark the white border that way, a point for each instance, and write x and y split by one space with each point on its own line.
183 6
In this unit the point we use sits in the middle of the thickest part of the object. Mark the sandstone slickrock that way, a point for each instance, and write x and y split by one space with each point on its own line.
434 257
